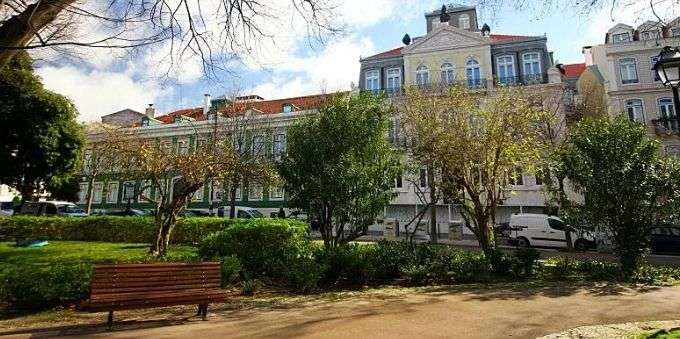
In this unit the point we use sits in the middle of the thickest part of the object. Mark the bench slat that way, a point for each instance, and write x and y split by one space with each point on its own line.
141 283
155 300
197 277
178 265
100 308
100 290
156 269
154 294
136 274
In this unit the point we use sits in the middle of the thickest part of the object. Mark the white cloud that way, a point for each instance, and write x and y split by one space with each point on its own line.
97 93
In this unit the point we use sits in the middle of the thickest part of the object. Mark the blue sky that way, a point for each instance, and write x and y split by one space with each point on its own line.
104 82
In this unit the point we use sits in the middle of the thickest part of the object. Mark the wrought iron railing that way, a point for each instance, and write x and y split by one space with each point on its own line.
667 125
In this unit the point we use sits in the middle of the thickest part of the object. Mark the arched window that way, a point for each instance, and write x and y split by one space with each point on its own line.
635 110
464 21
393 80
506 69
473 74
448 73
422 76
667 113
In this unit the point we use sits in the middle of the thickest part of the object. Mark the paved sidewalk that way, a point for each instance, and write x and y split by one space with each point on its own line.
436 312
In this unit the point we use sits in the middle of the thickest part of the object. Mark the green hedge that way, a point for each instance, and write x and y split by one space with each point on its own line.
106 228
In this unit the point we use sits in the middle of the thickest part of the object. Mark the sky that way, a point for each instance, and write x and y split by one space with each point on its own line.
104 81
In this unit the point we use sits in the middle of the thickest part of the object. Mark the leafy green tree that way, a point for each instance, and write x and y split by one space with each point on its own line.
339 165
41 140
627 186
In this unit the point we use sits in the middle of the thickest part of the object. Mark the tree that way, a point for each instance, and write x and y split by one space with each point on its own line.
477 143
41 141
169 178
627 187
340 167
217 31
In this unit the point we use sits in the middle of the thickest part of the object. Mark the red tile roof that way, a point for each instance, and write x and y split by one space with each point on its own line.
573 70
264 106
390 53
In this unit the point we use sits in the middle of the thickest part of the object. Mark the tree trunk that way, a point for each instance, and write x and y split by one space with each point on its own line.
487 241
434 233
27 191
563 200
165 222
232 201
90 189
19 30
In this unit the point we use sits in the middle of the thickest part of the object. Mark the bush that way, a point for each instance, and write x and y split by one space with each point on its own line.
36 287
106 228
231 270
526 261
266 248
346 265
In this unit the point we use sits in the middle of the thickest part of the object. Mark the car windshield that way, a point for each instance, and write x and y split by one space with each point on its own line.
256 214
69 209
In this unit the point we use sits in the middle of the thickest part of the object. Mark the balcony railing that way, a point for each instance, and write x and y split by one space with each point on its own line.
526 79
667 125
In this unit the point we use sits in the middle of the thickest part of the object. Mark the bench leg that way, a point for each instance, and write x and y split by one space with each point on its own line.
200 310
109 324
204 314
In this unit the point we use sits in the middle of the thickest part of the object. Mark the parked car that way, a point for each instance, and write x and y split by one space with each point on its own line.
241 212
52 208
196 213
124 212
6 208
542 230
665 239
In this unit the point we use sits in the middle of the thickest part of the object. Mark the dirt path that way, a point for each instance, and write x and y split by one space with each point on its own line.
436 312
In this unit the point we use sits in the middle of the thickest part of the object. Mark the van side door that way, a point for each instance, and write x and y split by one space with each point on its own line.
556 235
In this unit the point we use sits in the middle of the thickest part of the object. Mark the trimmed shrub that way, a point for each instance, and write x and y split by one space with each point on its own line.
266 248
231 270
106 228
346 265
526 261
32 287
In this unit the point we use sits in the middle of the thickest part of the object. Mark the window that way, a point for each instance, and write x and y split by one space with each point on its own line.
393 131
448 73
393 80
635 110
372 80
556 224
422 76
287 108
237 195
198 195
423 177
532 66
112 193
166 146
97 192
398 181
506 69
276 192
216 191
464 21
258 145
279 145
82 193
621 38
473 74
628 69
255 192
675 32
652 61
649 35
200 144
516 178
539 175
145 193
128 190
667 113
183 146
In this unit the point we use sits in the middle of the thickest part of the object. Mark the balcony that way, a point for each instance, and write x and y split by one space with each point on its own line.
526 79
667 125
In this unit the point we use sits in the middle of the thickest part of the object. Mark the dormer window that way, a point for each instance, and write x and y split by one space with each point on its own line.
464 21
287 108
145 121
621 38
649 35
675 32
178 119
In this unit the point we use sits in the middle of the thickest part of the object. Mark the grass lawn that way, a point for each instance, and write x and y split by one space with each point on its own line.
97 252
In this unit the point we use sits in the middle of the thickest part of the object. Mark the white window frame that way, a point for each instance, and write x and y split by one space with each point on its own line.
82 193
145 189
464 21
123 196
200 143
422 75
675 32
448 73
628 61
669 106
372 78
258 145
198 195
507 64
216 187
530 59
393 78
278 145
109 191
97 193
166 146
183 146
276 189
287 108
255 188
628 106
471 68
621 41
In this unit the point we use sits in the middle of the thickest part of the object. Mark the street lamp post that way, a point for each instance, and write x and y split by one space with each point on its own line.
667 67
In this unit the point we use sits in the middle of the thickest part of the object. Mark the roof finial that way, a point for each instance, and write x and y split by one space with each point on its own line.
443 16
406 39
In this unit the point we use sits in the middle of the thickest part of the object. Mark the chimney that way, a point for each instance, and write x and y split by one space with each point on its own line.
206 104
150 111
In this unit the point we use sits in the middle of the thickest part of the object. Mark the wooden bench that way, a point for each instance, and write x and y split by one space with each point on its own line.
135 286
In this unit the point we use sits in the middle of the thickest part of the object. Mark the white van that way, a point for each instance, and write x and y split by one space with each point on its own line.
241 212
543 230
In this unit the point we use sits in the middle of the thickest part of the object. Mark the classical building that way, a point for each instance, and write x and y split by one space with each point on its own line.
623 63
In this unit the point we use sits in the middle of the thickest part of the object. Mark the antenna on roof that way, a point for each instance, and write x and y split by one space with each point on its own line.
406 39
